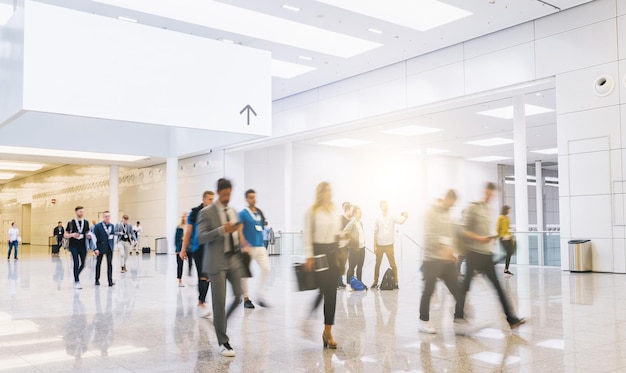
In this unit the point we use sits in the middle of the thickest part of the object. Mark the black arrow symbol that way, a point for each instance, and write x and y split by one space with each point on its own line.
249 109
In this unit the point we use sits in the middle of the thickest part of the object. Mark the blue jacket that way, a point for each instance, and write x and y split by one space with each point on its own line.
103 243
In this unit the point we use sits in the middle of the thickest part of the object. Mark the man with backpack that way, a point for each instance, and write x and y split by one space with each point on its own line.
190 239
439 260
384 238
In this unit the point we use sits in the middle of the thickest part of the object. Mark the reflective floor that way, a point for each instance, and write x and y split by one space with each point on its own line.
145 323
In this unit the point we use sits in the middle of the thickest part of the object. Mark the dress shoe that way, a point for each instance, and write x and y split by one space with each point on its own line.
97 283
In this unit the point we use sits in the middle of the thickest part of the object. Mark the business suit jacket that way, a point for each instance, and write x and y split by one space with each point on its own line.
103 243
211 235
119 231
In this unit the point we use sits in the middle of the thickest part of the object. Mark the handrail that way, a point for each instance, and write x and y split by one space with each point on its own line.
412 240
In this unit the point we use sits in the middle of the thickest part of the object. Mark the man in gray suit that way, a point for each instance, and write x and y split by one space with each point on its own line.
219 229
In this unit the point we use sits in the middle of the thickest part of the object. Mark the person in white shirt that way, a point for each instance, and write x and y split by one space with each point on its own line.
384 238
14 235
322 232
138 233
356 246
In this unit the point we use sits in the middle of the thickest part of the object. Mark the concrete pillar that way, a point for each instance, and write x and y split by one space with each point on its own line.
288 175
521 185
171 202
540 224
114 192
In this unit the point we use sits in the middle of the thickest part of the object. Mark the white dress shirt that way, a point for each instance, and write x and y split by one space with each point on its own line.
385 229
320 227
232 218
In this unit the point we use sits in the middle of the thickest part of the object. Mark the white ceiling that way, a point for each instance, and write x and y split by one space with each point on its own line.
398 42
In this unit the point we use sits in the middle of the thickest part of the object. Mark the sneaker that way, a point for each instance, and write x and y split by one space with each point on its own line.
204 312
396 287
425 327
461 326
507 272
263 304
248 304
181 285
516 322
227 351
77 286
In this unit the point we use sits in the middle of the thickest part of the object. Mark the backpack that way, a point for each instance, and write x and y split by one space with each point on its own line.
194 213
357 285
389 280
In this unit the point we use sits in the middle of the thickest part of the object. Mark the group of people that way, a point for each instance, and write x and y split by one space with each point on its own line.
222 243
474 240
102 238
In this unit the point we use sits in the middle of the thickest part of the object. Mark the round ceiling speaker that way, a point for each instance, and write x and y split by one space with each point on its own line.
603 85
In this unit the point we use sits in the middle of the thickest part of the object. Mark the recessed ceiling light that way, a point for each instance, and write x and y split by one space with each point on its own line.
291 7
288 70
127 19
375 31
346 143
546 151
242 21
70 154
17 166
419 15
412 130
507 112
4 176
227 41
489 158
6 12
306 58
494 141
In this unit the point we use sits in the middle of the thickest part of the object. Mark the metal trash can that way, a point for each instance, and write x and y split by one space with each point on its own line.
160 245
275 248
579 255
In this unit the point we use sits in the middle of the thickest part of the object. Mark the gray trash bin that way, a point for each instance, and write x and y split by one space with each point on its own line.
160 245
276 247
580 255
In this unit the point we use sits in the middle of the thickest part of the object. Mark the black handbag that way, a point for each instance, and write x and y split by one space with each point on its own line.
306 280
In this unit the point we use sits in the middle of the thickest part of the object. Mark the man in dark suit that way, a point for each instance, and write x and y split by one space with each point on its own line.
219 229
105 238
58 233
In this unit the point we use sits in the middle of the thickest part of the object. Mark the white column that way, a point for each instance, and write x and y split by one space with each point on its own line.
114 192
521 185
171 202
539 199
288 175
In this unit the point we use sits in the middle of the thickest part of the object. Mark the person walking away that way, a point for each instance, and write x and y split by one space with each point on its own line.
345 219
197 251
439 260
125 235
104 233
356 246
503 228
479 256
219 229
253 222
77 231
322 232
180 232
266 234
384 239
14 236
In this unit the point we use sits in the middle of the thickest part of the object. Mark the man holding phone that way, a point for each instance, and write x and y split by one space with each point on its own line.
77 232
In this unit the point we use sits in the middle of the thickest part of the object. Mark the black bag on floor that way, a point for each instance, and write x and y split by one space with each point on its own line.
145 250
55 249
389 280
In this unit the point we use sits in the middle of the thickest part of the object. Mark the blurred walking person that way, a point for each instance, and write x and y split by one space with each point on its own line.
125 235
503 228
77 231
439 260
104 235
478 228
14 235
356 245
180 232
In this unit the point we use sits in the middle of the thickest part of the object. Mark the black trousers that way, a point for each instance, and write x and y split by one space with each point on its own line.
484 263
356 258
78 255
327 280
109 255
203 285
446 271
179 266
508 248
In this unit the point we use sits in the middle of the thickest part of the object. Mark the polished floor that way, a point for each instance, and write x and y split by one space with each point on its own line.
145 323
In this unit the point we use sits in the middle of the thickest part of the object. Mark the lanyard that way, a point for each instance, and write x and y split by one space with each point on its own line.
79 226
107 228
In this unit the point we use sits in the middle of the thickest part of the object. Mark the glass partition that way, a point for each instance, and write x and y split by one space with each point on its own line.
544 248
